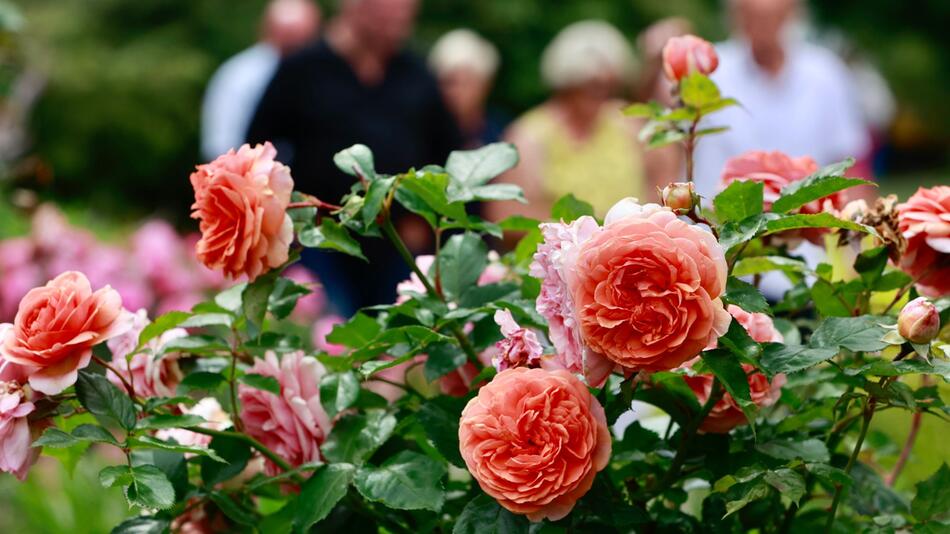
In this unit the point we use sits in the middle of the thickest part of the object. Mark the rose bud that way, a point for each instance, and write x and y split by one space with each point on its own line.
679 196
919 321
686 55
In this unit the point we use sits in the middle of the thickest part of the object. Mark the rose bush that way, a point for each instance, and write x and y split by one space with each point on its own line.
621 375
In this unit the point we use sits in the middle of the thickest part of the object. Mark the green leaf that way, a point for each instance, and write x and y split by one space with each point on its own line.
483 515
490 192
94 433
892 280
159 326
698 91
115 475
235 510
764 264
864 333
355 437
443 359
330 235
750 492
737 341
661 137
142 525
822 183
160 421
375 196
230 298
201 380
518 223
741 200
726 367
266 383
777 358
734 232
207 319
56 438
338 391
788 483
283 299
105 401
462 260
356 160
568 209
357 332
407 481
440 420
870 265
321 492
254 300
809 450
150 488
815 220
932 497
477 167
235 452
745 296
427 195
722 103
150 442
646 110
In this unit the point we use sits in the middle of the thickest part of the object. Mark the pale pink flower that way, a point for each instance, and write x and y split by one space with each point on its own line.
16 453
924 220
150 372
688 54
519 348
321 329
414 284
211 411
294 423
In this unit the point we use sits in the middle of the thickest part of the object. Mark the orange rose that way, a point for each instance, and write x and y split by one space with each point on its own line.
56 327
534 440
646 289
241 199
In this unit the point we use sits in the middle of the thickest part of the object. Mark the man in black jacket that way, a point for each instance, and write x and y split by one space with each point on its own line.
357 85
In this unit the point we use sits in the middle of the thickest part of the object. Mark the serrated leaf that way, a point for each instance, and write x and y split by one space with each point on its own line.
483 515
142 525
440 420
741 200
266 383
932 497
788 483
462 260
201 380
815 220
443 358
864 333
569 208
870 265
824 182
330 235
159 326
150 488
338 391
477 167
283 299
105 401
94 433
235 452
745 296
115 475
207 319
375 196
777 358
56 438
764 264
356 160
321 492
355 437
160 421
359 331
726 367
809 450
155 443
407 481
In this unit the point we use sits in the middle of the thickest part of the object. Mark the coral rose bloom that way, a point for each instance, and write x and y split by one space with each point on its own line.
534 440
924 220
727 414
294 423
688 54
647 289
56 327
241 199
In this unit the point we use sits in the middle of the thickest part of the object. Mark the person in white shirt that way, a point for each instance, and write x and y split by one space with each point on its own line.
237 86
796 97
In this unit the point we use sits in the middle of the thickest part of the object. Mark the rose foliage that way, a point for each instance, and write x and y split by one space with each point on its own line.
495 393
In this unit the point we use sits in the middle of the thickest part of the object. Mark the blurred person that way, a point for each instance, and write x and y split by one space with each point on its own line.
578 141
465 65
358 85
796 97
237 86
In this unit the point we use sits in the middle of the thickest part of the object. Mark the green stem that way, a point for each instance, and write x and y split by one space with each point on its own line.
688 433
865 424
260 447
390 232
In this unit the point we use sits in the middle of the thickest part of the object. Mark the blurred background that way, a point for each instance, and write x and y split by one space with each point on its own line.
102 104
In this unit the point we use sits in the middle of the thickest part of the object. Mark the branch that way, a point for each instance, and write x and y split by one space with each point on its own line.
865 424
128 386
269 454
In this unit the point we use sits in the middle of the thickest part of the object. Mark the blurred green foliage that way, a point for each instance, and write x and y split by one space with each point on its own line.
118 124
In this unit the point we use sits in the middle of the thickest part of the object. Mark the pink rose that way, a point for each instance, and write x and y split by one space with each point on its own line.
687 54
727 414
534 440
919 321
646 290
56 327
151 373
759 325
555 302
519 348
241 199
16 452
494 272
924 220
292 424
321 329
414 284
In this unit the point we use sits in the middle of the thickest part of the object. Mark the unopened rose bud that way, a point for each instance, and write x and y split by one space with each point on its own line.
679 197
688 54
919 321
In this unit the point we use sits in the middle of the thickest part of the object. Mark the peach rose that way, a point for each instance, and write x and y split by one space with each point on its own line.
56 327
646 290
534 440
924 220
241 199
687 54
727 414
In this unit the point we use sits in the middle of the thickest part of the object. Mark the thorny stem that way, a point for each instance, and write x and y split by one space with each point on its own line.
688 433
260 447
390 232
865 424
128 385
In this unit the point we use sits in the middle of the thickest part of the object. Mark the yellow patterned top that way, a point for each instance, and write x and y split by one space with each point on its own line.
602 169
